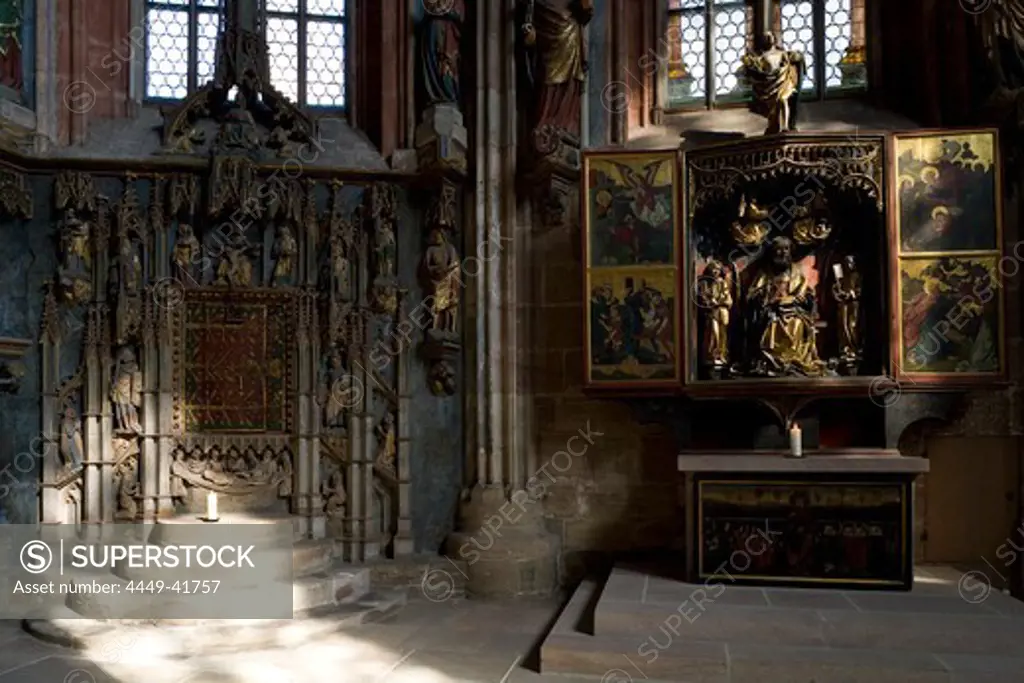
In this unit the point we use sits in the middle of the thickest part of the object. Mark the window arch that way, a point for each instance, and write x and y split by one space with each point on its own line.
306 43
707 38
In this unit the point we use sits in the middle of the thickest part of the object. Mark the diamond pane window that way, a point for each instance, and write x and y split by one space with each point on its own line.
829 33
306 45
306 41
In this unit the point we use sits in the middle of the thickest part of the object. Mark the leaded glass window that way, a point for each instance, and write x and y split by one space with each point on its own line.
830 34
306 43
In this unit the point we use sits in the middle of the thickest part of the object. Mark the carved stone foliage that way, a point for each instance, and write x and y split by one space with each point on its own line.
15 195
442 275
259 118
235 469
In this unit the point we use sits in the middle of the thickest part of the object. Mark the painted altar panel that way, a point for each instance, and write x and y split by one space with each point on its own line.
631 219
633 326
947 233
235 372
949 314
804 532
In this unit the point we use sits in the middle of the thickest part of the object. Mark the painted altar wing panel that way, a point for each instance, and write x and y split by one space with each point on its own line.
946 238
631 230
631 209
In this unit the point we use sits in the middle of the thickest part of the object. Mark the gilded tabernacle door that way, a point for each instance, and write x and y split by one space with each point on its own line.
947 257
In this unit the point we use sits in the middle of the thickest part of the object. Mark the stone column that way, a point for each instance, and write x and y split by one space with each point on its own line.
503 544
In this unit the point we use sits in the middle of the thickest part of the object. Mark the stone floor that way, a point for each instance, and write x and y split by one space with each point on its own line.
466 641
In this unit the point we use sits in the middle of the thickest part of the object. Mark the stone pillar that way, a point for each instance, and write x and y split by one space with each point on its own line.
53 510
503 545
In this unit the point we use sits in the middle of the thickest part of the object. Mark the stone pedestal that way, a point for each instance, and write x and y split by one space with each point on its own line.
442 140
503 547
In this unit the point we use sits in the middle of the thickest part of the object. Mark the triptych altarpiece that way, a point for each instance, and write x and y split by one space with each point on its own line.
824 260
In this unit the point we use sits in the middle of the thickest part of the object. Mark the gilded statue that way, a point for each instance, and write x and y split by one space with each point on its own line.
441 262
72 449
284 253
781 316
752 226
186 252
810 221
126 392
387 445
775 75
557 63
714 295
234 268
846 290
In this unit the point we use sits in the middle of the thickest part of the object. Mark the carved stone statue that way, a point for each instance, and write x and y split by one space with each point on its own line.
441 263
440 50
76 258
387 446
553 35
384 249
846 290
284 253
341 270
333 491
335 392
781 316
234 268
186 252
126 392
775 75
130 267
127 489
72 449
714 295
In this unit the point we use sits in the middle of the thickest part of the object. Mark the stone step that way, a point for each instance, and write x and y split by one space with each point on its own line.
339 584
182 639
899 622
311 556
432 576
624 658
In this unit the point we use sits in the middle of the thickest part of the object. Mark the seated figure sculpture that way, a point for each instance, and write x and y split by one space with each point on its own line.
780 309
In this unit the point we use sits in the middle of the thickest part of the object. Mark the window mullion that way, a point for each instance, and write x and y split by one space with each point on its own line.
820 69
709 54
301 53
193 46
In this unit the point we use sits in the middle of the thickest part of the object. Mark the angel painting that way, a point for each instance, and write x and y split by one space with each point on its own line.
631 213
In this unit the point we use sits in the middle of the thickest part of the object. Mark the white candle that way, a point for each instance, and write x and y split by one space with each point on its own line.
796 445
211 507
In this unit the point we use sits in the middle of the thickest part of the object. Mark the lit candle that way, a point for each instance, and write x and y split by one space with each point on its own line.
796 445
211 507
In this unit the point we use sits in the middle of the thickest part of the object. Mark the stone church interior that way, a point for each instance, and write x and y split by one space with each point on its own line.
524 340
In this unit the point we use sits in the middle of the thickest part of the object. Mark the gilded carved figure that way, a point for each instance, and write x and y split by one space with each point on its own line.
76 258
284 253
775 75
714 295
557 63
441 262
752 226
846 290
781 316
234 268
186 252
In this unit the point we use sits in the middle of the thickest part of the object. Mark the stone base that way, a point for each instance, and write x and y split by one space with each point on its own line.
504 548
442 141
